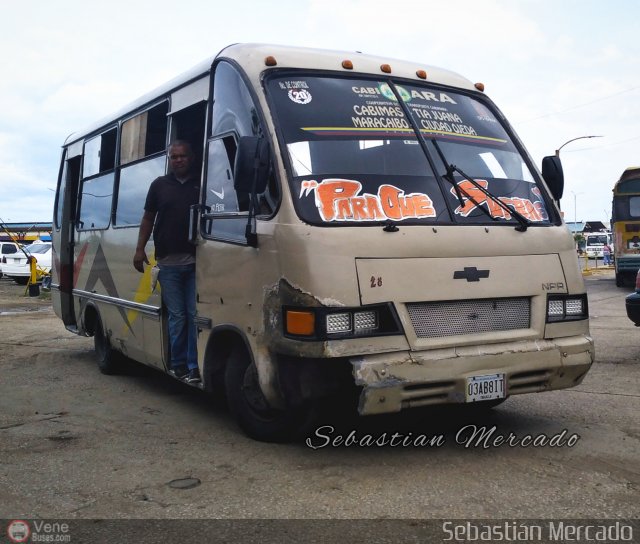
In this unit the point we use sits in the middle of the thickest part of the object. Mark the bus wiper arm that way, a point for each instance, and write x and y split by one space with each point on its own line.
524 223
448 176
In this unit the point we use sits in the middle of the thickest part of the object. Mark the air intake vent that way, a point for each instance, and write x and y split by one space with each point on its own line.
456 317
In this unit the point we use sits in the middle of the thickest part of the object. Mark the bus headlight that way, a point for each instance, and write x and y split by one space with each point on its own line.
567 308
365 321
338 323
333 323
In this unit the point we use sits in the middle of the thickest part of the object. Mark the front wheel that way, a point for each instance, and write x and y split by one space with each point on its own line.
251 410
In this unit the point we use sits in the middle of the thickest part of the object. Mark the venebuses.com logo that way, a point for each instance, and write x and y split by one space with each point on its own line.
20 530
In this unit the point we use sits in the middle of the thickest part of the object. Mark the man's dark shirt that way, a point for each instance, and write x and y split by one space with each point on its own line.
171 200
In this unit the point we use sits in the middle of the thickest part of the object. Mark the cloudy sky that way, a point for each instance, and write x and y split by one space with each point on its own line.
558 69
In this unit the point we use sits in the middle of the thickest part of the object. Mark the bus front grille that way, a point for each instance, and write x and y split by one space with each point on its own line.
457 317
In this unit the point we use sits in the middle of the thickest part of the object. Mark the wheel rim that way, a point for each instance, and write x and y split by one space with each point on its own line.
253 395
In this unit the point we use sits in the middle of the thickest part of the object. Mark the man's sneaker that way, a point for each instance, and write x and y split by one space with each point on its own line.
193 376
180 372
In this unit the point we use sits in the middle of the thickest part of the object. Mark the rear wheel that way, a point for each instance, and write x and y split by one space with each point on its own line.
252 411
109 361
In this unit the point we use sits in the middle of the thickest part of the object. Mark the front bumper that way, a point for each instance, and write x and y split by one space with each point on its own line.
632 303
392 383
628 264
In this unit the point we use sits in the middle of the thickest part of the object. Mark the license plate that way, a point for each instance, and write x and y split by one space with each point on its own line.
489 387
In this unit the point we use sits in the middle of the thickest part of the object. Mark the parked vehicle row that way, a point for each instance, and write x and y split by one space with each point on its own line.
14 262
7 249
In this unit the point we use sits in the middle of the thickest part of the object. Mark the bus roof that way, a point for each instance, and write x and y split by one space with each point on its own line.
630 173
255 59
629 181
252 57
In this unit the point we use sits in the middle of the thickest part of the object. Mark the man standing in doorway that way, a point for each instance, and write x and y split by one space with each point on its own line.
166 214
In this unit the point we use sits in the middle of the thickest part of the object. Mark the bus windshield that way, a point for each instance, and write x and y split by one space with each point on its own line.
597 239
356 154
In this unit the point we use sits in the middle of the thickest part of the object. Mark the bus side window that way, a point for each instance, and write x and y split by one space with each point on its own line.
235 112
67 191
142 159
221 196
98 174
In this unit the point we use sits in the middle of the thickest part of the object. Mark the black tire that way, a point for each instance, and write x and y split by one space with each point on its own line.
619 279
251 410
109 361
21 280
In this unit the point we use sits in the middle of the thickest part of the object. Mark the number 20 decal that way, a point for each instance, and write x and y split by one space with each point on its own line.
376 282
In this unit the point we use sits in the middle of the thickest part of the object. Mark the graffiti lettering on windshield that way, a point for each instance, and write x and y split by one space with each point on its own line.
474 197
340 200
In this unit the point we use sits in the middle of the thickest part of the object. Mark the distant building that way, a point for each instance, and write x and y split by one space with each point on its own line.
576 228
25 232
586 226
595 226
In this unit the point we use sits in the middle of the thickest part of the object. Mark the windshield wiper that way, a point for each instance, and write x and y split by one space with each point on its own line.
524 223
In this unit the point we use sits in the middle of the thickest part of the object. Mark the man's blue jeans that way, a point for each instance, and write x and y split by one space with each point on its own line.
178 285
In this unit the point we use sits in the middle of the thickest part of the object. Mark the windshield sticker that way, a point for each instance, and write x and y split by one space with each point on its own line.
376 118
299 96
473 197
297 91
383 89
437 120
340 200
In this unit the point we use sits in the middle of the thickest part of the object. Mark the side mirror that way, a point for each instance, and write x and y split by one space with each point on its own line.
252 165
553 175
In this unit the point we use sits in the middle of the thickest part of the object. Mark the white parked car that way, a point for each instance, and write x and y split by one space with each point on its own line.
8 249
16 266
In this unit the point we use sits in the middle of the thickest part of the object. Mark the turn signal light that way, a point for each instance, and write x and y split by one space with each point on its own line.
300 323
327 323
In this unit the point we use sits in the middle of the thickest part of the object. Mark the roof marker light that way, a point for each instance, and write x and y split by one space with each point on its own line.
480 87
270 61
347 65
386 68
421 74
